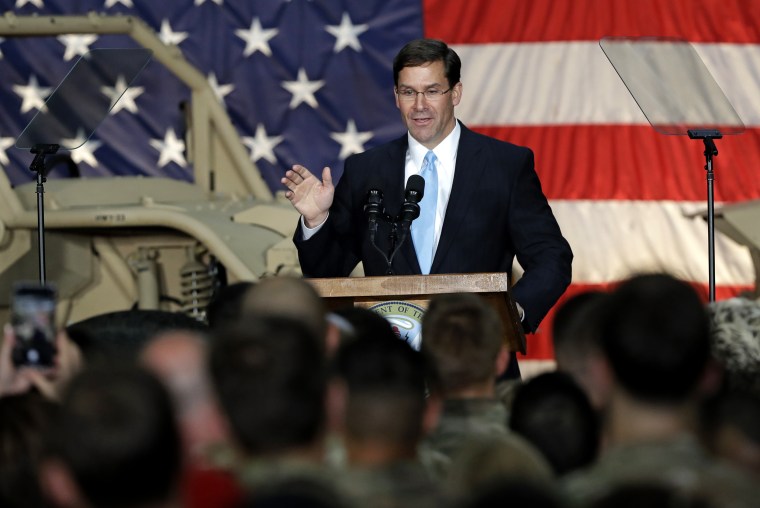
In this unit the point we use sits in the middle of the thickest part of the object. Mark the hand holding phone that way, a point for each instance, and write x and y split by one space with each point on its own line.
33 321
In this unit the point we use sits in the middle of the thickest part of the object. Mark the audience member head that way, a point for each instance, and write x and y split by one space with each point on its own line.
24 421
465 338
655 335
385 408
360 322
577 348
114 442
296 493
637 495
289 297
486 461
269 376
118 337
735 341
731 427
180 360
515 494
424 51
554 414
227 304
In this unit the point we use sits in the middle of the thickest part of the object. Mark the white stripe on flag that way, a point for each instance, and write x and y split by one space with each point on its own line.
574 83
613 239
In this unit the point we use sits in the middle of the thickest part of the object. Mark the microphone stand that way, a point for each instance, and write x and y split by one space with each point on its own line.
708 136
40 151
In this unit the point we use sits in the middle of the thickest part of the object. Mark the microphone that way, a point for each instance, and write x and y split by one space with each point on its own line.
410 210
374 211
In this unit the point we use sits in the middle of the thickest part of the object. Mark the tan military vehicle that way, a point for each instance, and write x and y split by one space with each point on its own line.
116 243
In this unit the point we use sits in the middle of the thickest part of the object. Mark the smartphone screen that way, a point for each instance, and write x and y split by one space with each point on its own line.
33 320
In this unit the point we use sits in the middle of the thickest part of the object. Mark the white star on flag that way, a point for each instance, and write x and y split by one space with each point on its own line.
256 38
2 39
5 143
302 89
125 96
170 149
32 95
221 91
37 3
76 44
168 36
83 150
351 141
346 34
261 145
217 2
111 3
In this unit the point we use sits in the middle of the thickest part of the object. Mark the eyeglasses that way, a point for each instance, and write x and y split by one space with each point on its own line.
410 94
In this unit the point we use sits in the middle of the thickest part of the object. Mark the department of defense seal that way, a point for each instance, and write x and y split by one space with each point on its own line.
405 319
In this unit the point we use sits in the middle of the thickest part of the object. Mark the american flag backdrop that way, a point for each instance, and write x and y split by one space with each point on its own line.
310 81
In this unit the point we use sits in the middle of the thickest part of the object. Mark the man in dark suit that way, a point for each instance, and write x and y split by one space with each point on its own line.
482 206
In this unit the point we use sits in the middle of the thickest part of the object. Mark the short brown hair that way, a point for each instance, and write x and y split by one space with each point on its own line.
463 335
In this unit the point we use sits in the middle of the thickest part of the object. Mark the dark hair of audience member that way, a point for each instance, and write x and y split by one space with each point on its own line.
24 421
731 427
573 331
517 493
117 435
269 375
463 335
386 380
655 335
118 337
296 493
649 496
227 304
554 414
363 322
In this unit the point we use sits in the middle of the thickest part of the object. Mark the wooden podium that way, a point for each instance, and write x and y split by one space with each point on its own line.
419 289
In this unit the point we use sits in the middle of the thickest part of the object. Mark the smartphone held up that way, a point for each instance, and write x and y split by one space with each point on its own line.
33 321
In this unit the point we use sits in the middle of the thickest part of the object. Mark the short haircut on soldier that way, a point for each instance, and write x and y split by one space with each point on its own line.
575 328
289 297
227 304
117 434
24 421
386 382
655 335
463 336
554 414
269 375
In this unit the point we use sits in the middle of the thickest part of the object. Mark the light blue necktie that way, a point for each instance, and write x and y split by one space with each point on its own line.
423 229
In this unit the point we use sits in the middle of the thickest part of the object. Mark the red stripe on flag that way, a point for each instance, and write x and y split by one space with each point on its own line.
540 344
484 21
635 162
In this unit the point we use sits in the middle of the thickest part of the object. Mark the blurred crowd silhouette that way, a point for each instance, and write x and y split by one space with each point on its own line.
275 401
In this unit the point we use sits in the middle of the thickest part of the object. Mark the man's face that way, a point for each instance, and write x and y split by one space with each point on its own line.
428 121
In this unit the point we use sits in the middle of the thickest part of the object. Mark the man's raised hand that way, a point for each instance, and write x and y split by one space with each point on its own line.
310 196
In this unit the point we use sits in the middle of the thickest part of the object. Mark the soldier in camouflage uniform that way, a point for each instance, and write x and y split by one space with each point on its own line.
464 336
655 337
269 374
386 413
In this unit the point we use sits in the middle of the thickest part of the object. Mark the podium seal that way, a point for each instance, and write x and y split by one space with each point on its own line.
405 319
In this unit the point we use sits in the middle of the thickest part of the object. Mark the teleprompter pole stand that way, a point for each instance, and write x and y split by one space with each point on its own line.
708 136
40 151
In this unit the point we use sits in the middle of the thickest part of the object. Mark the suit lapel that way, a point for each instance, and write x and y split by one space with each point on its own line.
468 177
